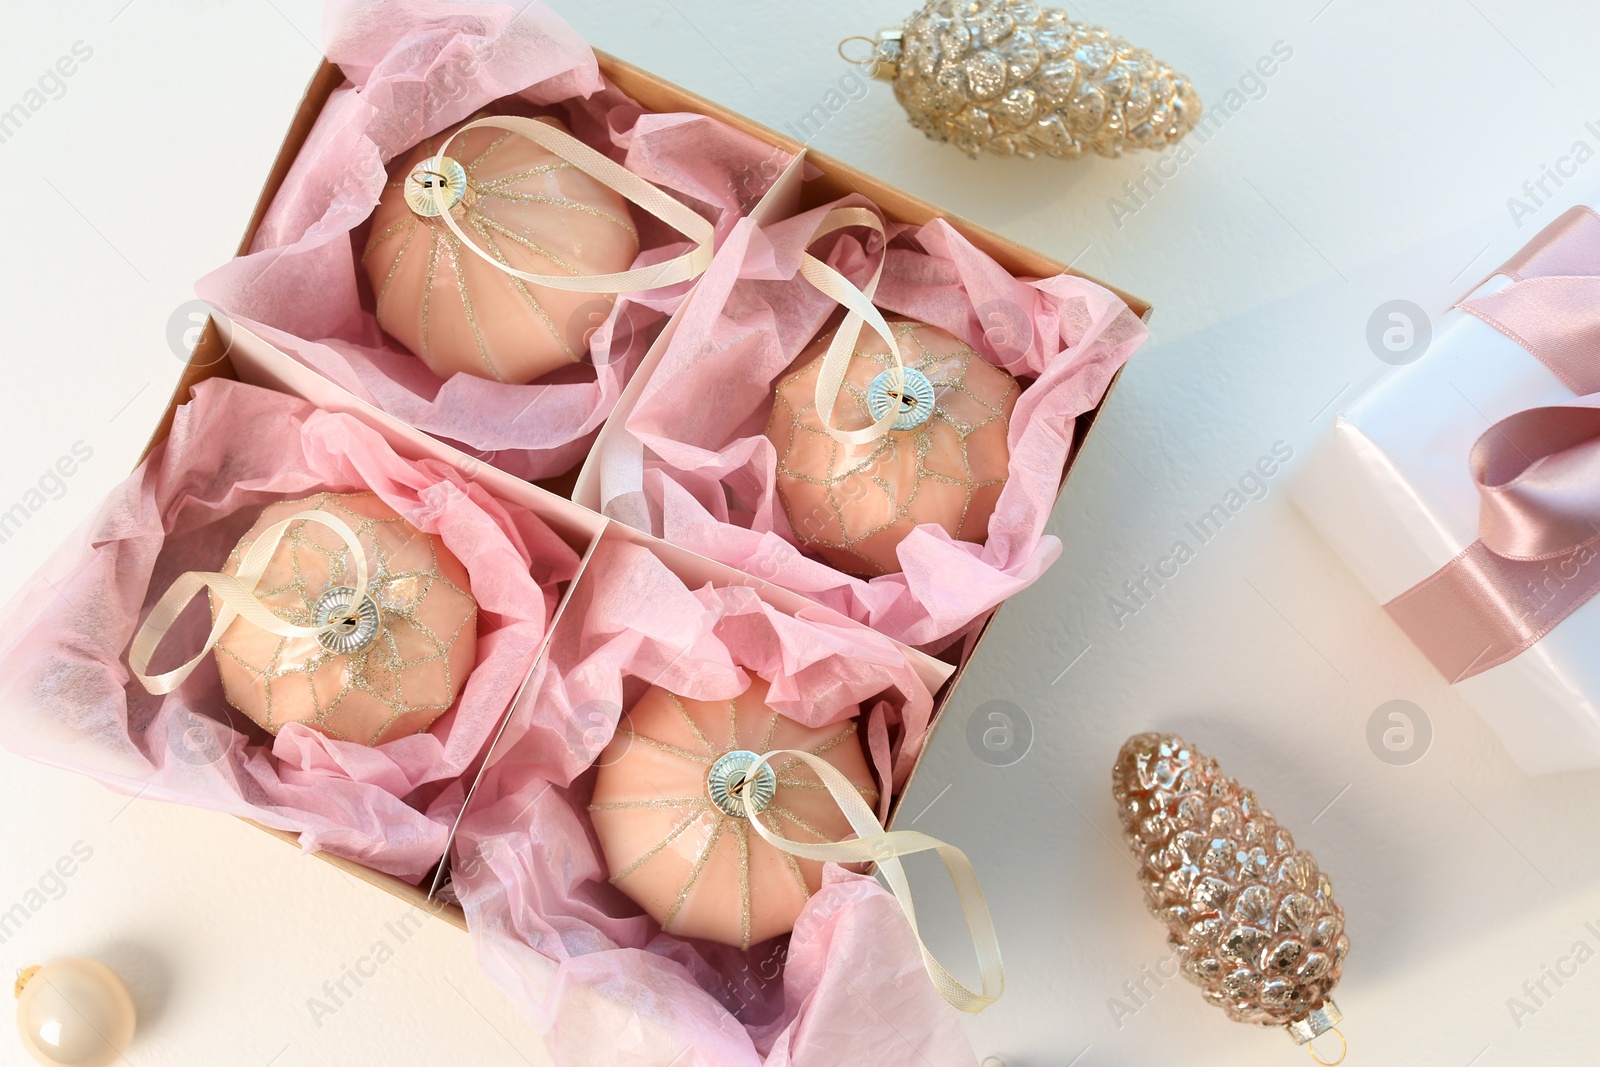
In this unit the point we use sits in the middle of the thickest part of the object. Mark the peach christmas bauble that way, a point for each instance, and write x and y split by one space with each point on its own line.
676 838
403 659
527 208
944 461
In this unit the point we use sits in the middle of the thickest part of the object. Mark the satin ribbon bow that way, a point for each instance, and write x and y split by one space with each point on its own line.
1537 472
874 844
238 595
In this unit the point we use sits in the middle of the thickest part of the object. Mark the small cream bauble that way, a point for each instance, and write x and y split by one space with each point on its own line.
74 1013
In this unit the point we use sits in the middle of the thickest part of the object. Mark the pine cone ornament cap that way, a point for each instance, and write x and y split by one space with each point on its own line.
1015 78
1252 916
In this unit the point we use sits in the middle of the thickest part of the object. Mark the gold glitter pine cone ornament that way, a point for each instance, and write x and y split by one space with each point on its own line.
1014 78
1252 917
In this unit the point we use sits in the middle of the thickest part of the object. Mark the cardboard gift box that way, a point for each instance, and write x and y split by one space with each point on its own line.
1393 490
805 178
237 356
799 178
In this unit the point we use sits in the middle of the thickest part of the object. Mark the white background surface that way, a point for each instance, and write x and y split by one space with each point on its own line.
1376 165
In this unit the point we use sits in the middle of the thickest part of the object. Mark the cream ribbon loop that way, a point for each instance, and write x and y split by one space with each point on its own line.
618 178
874 844
239 600
858 302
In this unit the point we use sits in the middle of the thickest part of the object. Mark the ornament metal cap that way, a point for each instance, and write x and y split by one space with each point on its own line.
355 625
23 977
913 398
729 778
1316 1023
436 185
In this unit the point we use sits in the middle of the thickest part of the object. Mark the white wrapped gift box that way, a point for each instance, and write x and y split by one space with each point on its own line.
1390 489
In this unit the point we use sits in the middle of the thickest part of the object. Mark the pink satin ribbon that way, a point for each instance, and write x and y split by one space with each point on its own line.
1537 472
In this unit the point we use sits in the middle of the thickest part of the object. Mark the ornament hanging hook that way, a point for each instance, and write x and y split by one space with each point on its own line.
1344 1049
883 61
870 58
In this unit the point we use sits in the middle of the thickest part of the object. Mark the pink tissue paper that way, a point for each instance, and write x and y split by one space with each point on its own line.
71 701
415 68
708 478
596 976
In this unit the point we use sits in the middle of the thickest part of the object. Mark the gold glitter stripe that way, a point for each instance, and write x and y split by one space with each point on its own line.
391 720
453 246
671 750
919 441
377 239
637 805
521 287
699 866
378 670
478 162
741 834
656 849
794 864
869 794
700 735
521 175
485 222
782 812
570 205
833 742
802 783
799 875
427 286
394 267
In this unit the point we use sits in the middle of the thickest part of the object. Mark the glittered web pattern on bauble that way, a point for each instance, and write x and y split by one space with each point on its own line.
408 656
851 506
529 210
